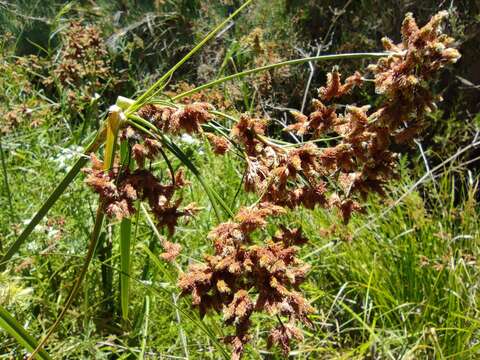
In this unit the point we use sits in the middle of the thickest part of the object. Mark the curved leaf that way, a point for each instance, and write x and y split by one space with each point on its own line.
13 328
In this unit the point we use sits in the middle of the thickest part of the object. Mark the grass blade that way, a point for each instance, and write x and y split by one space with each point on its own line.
7 187
125 237
12 327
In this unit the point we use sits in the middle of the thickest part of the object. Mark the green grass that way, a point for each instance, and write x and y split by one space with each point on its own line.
403 287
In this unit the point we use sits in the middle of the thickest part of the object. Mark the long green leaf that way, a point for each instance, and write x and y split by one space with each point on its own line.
59 190
7 187
12 327
125 237
125 240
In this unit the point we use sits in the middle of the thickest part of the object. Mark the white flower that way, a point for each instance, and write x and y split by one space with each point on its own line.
65 157
187 139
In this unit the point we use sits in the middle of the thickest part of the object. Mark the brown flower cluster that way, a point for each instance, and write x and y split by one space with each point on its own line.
119 188
188 118
82 67
403 76
241 278
247 132
24 108
219 144
84 56
287 177
335 88
265 52
362 161
13 118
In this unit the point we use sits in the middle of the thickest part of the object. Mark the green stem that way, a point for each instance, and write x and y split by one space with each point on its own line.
160 82
125 241
7 187
283 63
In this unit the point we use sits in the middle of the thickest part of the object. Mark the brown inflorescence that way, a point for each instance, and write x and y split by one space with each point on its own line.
84 56
119 188
265 52
361 161
188 118
172 250
219 144
241 278
335 88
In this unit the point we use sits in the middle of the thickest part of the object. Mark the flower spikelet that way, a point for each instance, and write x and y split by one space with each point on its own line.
220 144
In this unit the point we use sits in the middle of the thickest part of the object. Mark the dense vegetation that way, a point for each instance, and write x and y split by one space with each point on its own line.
382 265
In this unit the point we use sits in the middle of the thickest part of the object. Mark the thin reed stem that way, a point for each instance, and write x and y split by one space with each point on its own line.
283 63
76 287
7 187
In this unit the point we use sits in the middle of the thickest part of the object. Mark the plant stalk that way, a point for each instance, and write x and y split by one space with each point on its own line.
7 187
112 126
283 63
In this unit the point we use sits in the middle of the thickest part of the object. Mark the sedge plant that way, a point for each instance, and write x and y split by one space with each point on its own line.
344 156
